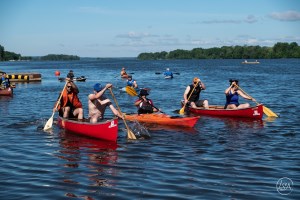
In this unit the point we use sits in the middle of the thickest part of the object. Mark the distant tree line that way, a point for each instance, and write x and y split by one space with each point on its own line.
57 57
7 56
279 50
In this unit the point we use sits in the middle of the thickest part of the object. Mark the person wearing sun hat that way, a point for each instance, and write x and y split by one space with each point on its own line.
144 104
192 94
97 103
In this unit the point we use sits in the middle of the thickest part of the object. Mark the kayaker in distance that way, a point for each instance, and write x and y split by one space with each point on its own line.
123 72
70 105
144 104
70 75
168 73
131 82
232 96
97 103
192 94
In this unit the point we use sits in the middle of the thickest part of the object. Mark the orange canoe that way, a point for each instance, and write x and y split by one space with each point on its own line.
164 119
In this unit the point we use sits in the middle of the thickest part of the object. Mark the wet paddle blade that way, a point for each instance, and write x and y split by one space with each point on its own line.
131 91
49 123
269 112
130 135
181 111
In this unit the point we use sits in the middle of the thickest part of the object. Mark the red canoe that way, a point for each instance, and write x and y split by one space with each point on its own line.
6 91
164 119
106 130
255 112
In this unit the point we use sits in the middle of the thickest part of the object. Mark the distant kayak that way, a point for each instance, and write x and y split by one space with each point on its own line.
80 78
168 77
163 119
253 62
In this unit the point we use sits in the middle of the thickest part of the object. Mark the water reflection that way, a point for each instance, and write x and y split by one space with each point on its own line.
87 159
240 123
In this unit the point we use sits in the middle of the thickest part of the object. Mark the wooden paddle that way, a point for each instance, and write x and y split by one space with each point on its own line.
266 110
181 111
130 134
49 123
131 91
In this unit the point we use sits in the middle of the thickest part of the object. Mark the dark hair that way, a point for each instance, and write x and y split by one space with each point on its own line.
233 80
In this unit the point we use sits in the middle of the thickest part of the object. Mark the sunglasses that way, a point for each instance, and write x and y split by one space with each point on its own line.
69 86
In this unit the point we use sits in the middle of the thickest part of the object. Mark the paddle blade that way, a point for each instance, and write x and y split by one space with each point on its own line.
49 123
269 112
130 135
131 91
181 111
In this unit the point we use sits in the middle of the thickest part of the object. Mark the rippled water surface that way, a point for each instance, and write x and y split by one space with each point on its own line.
220 158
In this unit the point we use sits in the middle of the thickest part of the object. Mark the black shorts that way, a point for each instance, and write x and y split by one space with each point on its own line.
199 103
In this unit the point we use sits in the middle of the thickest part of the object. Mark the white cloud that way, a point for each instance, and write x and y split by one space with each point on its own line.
136 36
286 16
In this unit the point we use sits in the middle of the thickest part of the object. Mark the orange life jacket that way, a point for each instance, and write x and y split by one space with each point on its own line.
72 97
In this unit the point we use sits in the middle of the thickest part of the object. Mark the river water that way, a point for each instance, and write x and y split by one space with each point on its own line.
220 158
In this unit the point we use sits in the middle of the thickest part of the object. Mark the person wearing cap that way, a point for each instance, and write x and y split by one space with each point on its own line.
144 104
232 96
168 73
123 73
193 93
70 75
70 105
131 82
97 103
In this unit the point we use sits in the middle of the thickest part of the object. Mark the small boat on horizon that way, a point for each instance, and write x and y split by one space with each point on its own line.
251 62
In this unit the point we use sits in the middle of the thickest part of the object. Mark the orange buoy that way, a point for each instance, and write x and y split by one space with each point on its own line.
57 73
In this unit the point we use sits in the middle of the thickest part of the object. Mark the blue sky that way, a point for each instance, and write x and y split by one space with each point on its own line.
125 28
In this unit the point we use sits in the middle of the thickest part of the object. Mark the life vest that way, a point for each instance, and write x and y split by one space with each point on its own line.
145 107
130 83
72 98
196 93
232 98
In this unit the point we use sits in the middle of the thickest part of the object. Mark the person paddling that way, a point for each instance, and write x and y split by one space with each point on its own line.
144 104
98 102
232 96
168 73
123 73
193 93
131 82
70 105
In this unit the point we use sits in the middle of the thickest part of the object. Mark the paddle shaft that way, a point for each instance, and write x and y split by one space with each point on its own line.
130 134
266 110
48 125
62 92
246 94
